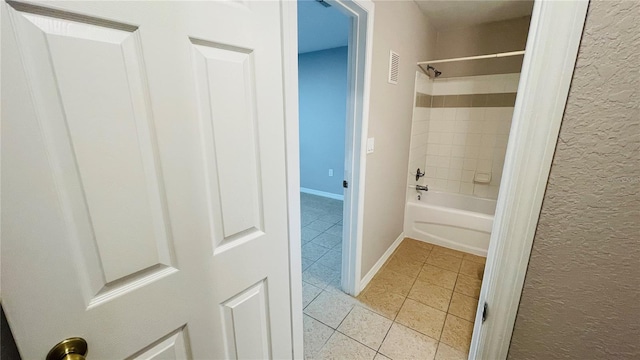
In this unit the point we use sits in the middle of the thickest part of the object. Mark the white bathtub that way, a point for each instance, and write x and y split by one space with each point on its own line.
451 220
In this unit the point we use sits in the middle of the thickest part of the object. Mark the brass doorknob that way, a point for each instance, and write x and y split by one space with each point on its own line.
74 348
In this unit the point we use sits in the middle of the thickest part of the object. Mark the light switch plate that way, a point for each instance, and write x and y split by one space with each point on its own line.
370 145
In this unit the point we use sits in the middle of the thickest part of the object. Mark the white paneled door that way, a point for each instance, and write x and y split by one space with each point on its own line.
143 179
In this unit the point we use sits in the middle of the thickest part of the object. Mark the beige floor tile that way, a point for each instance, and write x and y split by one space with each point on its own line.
444 261
330 308
437 276
309 292
340 347
473 269
446 352
444 250
457 333
432 295
393 282
412 254
365 326
463 306
413 243
475 258
315 336
467 285
381 301
380 357
422 318
403 343
404 266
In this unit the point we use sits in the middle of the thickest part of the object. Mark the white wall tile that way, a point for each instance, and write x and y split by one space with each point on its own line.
460 126
455 174
449 114
474 140
457 150
463 114
475 127
459 139
485 153
442 161
419 127
493 192
471 152
488 140
484 165
442 173
441 184
438 113
466 188
467 176
502 140
454 143
421 113
445 150
453 186
481 190
469 164
434 137
433 149
446 138
456 163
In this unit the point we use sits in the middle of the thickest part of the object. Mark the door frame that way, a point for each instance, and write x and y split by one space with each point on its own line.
358 73
359 57
551 52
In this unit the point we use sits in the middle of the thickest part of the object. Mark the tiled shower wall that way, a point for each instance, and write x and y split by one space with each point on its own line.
419 129
460 127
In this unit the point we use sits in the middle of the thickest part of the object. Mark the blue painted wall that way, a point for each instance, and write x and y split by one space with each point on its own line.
322 77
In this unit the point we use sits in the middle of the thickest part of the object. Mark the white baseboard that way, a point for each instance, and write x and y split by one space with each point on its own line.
322 193
387 254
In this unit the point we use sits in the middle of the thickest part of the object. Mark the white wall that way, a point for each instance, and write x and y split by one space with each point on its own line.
487 38
398 26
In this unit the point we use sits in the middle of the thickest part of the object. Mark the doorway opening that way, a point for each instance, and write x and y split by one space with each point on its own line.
333 60
323 53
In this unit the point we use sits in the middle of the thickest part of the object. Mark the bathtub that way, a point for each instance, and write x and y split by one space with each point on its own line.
454 221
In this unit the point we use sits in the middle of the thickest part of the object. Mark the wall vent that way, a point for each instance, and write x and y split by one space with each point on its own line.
394 63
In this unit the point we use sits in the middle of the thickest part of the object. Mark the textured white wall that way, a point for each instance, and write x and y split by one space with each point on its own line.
398 26
581 298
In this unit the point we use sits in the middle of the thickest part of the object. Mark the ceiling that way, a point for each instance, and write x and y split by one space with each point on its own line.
460 13
320 28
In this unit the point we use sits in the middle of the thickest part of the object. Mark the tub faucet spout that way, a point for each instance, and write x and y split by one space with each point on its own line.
422 188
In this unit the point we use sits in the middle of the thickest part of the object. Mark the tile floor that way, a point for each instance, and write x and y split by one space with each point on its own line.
420 305
321 220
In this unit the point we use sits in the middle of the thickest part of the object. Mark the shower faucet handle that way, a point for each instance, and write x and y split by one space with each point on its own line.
422 188
419 174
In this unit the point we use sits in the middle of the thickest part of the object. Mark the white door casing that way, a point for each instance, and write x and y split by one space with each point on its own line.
144 192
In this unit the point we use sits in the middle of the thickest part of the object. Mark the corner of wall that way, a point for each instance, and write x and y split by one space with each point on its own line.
390 122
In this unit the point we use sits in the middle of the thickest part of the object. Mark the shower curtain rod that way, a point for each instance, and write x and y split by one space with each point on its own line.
489 56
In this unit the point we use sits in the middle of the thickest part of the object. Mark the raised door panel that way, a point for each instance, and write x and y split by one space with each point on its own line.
91 96
246 324
171 347
226 95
